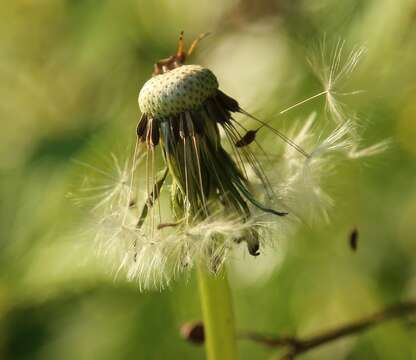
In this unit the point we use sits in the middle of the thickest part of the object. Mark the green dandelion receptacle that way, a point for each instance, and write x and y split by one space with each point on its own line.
182 89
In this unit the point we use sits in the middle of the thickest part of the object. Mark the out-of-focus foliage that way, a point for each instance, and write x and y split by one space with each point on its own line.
70 72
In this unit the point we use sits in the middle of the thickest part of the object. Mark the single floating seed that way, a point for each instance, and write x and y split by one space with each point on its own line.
247 139
193 332
354 239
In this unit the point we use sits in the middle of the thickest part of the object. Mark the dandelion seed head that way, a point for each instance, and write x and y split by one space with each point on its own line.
219 199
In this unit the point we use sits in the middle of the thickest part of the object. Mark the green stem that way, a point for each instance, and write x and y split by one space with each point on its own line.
217 311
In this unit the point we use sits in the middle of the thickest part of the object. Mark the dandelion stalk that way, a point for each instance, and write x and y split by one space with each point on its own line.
218 316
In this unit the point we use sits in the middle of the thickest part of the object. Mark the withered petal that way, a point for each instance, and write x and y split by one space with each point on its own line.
155 132
215 112
141 128
228 102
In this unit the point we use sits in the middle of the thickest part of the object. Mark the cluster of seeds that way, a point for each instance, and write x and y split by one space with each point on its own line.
182 89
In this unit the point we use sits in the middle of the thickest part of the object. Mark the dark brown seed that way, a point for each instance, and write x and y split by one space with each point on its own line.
193 332
165 225
253 249
247 139
354 239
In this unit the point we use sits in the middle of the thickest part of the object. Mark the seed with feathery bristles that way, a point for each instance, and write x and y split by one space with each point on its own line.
247 139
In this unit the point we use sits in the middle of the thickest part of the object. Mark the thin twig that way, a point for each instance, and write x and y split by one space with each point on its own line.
297 346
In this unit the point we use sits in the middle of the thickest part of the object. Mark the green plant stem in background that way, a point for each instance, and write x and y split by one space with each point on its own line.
218 316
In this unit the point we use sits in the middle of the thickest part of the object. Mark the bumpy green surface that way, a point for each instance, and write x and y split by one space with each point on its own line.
178 90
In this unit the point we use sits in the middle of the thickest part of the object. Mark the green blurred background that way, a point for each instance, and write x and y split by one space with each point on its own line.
70 72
